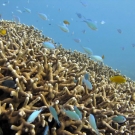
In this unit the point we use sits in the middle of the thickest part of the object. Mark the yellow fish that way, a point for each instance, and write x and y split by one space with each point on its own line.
3 32
66 22
103 57
118 79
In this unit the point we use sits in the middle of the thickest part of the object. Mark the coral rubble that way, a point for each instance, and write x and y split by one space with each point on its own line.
46 77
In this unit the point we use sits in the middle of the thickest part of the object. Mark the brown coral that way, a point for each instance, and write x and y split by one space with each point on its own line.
46 78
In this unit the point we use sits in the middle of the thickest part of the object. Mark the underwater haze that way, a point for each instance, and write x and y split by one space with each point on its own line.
107 27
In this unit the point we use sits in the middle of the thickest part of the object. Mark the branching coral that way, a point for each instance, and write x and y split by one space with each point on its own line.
46 78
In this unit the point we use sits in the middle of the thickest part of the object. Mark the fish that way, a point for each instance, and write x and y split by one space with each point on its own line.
16 19
9 84
64 28
102 22
27 10
34 115
79 15
118 79
93 123
59 9
19 11
123 48
119 31
119 119
3 32
85 4
87 83
86 76
103 57
133 45
49 45
78 112
46 131
54 114
0 16
87 50
96 58
66 22
91 24
72 114
4 4
43 16
77 40
84 31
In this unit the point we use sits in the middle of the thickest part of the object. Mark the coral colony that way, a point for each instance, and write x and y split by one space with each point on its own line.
57 91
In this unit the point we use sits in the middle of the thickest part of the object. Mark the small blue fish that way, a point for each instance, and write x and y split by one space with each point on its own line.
78 112
42 16
72 115
119 30
16 19
91 24
46 130
64 28
119 119
102 22
54 114
0 16
87 83
34 115
19 11
133 45
79 15
86 76
87 50
77 40
84 31
49 45
96 58
93 123
84 3
27 10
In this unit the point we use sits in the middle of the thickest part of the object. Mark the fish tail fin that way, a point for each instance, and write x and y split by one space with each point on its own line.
58 122
43 108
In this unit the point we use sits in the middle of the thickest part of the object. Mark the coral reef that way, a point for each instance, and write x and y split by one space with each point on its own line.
45 77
